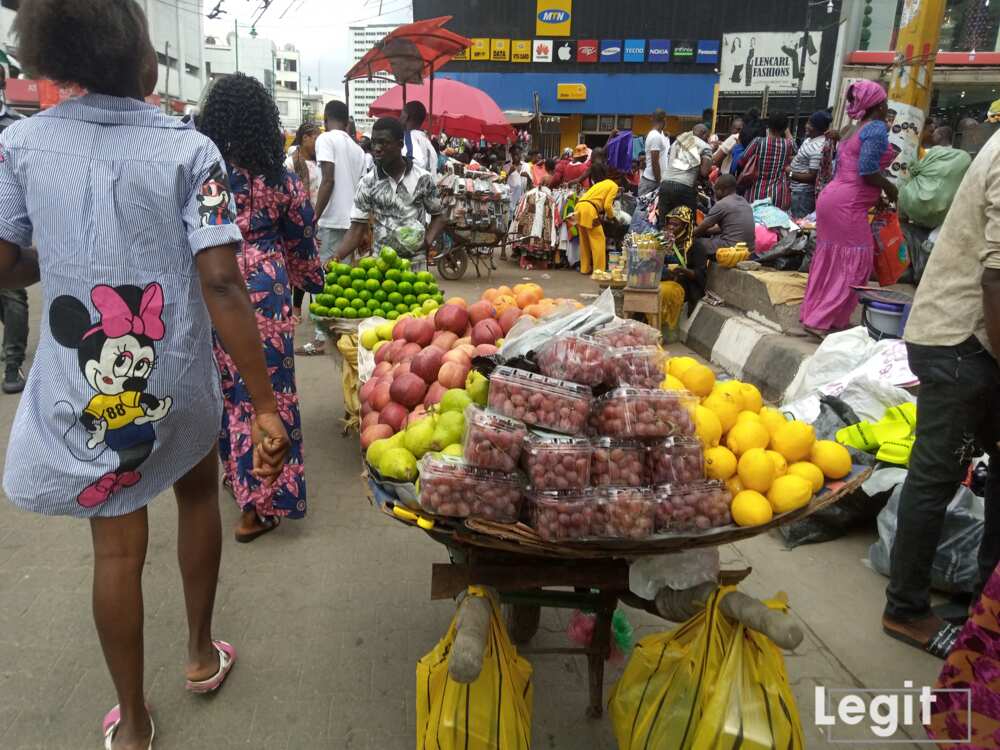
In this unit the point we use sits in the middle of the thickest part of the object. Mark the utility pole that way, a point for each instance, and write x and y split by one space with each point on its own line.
802 65
236 43
166 85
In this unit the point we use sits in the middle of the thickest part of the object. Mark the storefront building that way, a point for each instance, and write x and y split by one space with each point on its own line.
585 68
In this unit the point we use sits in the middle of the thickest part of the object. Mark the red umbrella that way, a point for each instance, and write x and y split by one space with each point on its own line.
411 52
459 109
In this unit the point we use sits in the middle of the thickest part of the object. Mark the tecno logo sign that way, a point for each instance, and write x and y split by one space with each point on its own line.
553 16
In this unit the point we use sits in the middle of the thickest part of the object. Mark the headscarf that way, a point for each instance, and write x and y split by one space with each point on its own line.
862 96
994 114
683 238
821 121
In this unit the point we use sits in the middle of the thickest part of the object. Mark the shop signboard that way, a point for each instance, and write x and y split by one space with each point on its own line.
500 50
587 50
571 92
635 51
708 52
755 60
611 50
463 55
542 51
659 51
553 17
480 49
520 51
565 51
683 51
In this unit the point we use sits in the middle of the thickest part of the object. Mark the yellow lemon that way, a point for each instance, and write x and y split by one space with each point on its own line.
749 416
752 400
832 458
756 470
679 365
772 418
794 440
724 408
707 426
670 383
731 389
720 463
780 464
751 508
789 493
747 435
699 379
735 485
810 472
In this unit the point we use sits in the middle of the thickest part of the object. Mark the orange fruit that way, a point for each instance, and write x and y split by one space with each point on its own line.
491 294
505 290
525 298
457 301
504 301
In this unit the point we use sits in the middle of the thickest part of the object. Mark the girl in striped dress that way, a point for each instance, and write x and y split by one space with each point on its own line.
133 219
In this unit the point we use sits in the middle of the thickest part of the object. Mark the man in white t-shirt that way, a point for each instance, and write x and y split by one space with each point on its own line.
723 156
657 146
342 163
418 147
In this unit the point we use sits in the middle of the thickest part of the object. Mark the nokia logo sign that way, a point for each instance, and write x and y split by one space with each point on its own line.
656 51
553 16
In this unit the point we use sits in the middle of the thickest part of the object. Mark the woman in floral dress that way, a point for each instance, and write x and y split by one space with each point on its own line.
276 219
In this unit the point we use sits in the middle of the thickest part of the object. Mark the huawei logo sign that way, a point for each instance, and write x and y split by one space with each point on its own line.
543 50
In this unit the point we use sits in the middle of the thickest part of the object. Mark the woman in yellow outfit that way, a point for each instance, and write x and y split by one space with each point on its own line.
675 290
591 209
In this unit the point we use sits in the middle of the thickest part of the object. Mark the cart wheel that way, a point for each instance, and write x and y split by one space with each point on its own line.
453 265
523 621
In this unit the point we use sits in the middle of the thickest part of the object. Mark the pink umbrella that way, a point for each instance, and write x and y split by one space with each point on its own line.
459 109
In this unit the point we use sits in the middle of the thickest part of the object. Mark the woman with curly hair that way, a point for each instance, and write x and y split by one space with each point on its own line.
276 218
132 216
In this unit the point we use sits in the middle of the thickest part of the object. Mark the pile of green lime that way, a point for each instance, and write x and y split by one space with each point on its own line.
381 285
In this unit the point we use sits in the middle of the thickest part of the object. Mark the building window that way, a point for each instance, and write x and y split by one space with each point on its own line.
291 66
291 85
282 107
192 70
12 4
208 69
164 61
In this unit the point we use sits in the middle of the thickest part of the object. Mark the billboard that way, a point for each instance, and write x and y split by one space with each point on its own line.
587 50
480 49
500 50
708 52
635 51
542 52
659 51
565 51
611 50
520 51
553 17
755 60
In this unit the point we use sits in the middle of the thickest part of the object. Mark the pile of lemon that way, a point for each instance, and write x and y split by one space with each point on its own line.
772 465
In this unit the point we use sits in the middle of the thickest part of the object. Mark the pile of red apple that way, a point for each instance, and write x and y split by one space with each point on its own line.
693 507
493 441
451 487
555 462
676 460
549 403
425 358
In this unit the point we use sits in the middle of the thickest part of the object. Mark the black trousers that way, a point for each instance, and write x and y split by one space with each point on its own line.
14 316
672 195
958 415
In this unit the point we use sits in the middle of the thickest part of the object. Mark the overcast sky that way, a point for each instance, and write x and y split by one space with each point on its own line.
318 28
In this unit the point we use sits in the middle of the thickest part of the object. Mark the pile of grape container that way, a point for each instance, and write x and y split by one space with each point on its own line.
623 465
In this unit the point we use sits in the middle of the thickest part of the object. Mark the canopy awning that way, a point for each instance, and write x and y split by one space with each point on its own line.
411 53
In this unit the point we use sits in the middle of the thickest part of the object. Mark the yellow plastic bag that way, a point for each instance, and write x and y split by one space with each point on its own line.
347 344
708 685
493 712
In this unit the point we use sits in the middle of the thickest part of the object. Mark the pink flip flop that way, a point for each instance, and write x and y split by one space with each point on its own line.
110 725
227 657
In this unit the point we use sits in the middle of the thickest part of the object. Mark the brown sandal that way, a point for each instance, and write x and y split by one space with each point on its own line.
269 525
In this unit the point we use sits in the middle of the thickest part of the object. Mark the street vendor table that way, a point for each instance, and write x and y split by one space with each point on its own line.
645 301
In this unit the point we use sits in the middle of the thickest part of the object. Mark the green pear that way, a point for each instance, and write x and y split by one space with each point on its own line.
419 436
478 387
398 464
377 449
450 429
454 400
455 449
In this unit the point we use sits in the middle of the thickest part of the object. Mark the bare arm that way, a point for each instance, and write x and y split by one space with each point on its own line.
879 180
325 187
228 303
438 224
808 178
352 240
18 266
655 156
706 166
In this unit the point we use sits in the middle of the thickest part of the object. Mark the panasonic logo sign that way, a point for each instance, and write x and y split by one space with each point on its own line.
608 51
553 16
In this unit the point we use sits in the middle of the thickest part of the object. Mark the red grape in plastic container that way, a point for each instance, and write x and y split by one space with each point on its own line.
556 462
628 333
618 463
577 358
492 441
636 366
690 508
451 487
644 413
548 403
624 513
558 516
676 460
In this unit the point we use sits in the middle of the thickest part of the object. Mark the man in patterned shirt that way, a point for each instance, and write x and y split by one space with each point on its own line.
398 196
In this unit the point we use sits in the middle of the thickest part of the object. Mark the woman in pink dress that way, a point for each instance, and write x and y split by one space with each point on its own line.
844 243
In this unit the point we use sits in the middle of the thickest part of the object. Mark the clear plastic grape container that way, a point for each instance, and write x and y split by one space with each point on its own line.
451 487
676 460
628 333
556 462
577 358
636 366
557 516
492 441
624 513
644 413
540 401
689 508
618 463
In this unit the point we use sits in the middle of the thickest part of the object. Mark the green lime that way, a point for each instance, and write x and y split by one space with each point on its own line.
425 276
364 312
387 307
421 298
358 303
416 308
382 266
394 274
350 293
327 300
389 285
389 256
380 295
336 312
350 312
395 298
372 285
344 280
331 278
420 287
401 308
439 298
404 264
430 304
342 301
314 308
374 273
364 295
336 290
410 299
366 263
323 312
409 277
358 284
405 287
357 273
392 315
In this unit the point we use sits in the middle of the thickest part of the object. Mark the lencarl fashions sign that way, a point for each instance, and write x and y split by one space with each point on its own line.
753 61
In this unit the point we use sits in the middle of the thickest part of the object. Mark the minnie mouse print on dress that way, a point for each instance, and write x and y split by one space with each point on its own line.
116 355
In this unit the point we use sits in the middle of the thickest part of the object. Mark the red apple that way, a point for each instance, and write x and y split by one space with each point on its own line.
408 389
427 363
382 368
451 318
365 391
400 369
380 396
420 331
481 310
399 330
434 394
408 352
459 356
469 350
418 413
486 350
394 415
444 340
373 433
453 375
486 332
369 419
508 318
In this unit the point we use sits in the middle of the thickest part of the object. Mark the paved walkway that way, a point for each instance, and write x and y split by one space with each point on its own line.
331 614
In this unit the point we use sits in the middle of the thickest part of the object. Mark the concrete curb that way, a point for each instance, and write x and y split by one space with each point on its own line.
747 350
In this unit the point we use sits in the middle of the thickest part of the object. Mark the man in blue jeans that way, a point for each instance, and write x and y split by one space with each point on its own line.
952 338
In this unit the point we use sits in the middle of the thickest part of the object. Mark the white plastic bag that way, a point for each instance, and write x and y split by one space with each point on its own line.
678 570
521 340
